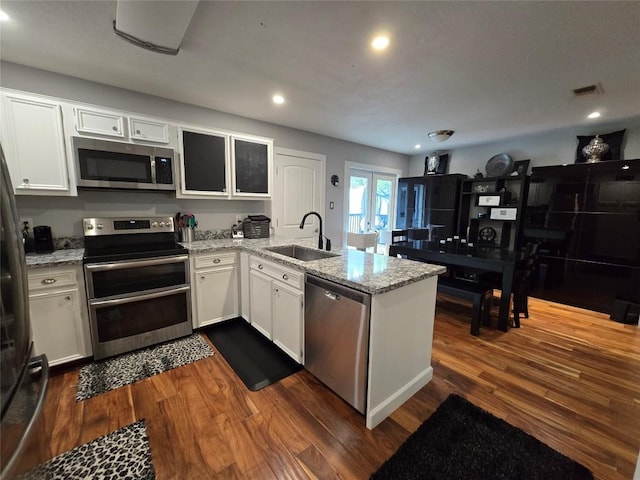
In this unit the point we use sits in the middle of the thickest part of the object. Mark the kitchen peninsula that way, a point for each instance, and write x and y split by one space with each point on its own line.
402 312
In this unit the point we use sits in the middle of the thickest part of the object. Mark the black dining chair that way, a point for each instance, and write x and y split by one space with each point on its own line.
524 276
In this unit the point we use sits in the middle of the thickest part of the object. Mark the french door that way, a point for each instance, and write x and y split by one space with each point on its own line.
371 201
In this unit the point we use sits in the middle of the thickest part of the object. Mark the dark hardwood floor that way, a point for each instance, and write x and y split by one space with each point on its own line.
569 377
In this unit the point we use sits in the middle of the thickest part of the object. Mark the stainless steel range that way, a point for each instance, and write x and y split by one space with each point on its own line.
137 280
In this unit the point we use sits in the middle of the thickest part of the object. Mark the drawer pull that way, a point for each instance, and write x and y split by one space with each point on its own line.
202 277
285 277
67 298
115 129
260 267
216 260
48 281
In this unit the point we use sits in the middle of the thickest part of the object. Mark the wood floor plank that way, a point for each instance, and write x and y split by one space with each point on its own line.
568 376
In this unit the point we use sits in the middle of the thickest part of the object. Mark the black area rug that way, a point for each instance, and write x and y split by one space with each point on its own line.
462 441
105 375
123 454
255 359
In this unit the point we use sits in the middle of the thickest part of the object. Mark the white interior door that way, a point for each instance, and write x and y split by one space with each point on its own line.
298 188
371 202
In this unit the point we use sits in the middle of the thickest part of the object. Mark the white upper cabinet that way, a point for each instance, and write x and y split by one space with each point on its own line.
204 161
34 145
118 125
215 163
251 166
148 130
98 122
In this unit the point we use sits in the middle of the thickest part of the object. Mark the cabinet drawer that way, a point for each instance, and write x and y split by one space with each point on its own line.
214 260
294 278
51 280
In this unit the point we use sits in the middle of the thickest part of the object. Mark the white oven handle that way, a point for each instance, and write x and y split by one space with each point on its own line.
97 267
138 297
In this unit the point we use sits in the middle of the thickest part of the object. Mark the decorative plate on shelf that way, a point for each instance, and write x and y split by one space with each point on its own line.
499 165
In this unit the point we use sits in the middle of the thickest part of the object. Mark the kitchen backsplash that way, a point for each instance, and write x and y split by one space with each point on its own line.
65 243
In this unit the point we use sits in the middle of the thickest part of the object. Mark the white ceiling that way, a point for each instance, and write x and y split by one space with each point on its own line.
488 70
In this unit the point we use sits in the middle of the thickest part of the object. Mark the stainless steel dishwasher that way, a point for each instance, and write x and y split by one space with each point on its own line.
336 338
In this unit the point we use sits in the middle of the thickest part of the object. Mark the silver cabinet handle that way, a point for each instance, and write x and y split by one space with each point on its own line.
285 277
68 298
48 281
216 260
115 129
260 267
25 180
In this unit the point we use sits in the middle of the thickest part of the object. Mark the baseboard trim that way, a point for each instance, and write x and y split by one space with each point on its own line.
377 414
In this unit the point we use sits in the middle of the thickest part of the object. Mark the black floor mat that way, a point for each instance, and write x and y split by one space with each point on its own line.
254 358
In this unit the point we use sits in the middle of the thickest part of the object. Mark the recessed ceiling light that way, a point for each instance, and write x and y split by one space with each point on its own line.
380 43
278 99
417 146
593 115
625 167
3 16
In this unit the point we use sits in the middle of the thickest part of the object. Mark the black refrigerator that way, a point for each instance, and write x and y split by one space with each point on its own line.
23 379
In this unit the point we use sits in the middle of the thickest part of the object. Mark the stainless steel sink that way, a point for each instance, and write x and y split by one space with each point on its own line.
301 253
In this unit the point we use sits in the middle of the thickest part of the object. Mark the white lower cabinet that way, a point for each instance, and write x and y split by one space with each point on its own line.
245 289
58 312
277 305
214 288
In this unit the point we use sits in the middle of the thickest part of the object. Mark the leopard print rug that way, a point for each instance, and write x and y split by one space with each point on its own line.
123 454
100 377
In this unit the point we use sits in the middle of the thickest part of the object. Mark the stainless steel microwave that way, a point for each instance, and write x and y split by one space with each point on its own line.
106 164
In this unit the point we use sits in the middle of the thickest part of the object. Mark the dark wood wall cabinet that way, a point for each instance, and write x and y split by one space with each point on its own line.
429 203
587 217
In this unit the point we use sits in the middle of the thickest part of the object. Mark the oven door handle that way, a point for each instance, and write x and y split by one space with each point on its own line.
137 298
97 267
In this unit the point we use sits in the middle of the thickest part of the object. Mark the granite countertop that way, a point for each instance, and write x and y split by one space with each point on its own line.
368 272
69 256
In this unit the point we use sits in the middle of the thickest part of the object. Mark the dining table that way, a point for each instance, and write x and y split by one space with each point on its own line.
478 258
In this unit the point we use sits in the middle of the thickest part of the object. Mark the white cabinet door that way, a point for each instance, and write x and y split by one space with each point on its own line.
287 320
251 166
96 122
57 324
245 289
216 295
147 130
33 142
204 160
261 312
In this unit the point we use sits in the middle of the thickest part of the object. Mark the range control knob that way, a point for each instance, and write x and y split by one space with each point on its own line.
89 226
162 224
154 224
100 226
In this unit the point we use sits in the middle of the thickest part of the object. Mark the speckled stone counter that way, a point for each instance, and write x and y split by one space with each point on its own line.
71 256
368 272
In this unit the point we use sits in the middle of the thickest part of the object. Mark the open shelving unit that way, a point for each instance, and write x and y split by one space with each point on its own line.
491 211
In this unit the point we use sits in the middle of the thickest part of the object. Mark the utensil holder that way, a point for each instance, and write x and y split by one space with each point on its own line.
186 234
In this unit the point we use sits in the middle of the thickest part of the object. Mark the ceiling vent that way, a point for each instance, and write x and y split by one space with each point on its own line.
589 90
156 26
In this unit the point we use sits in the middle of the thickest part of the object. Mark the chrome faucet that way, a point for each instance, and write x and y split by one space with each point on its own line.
320 235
